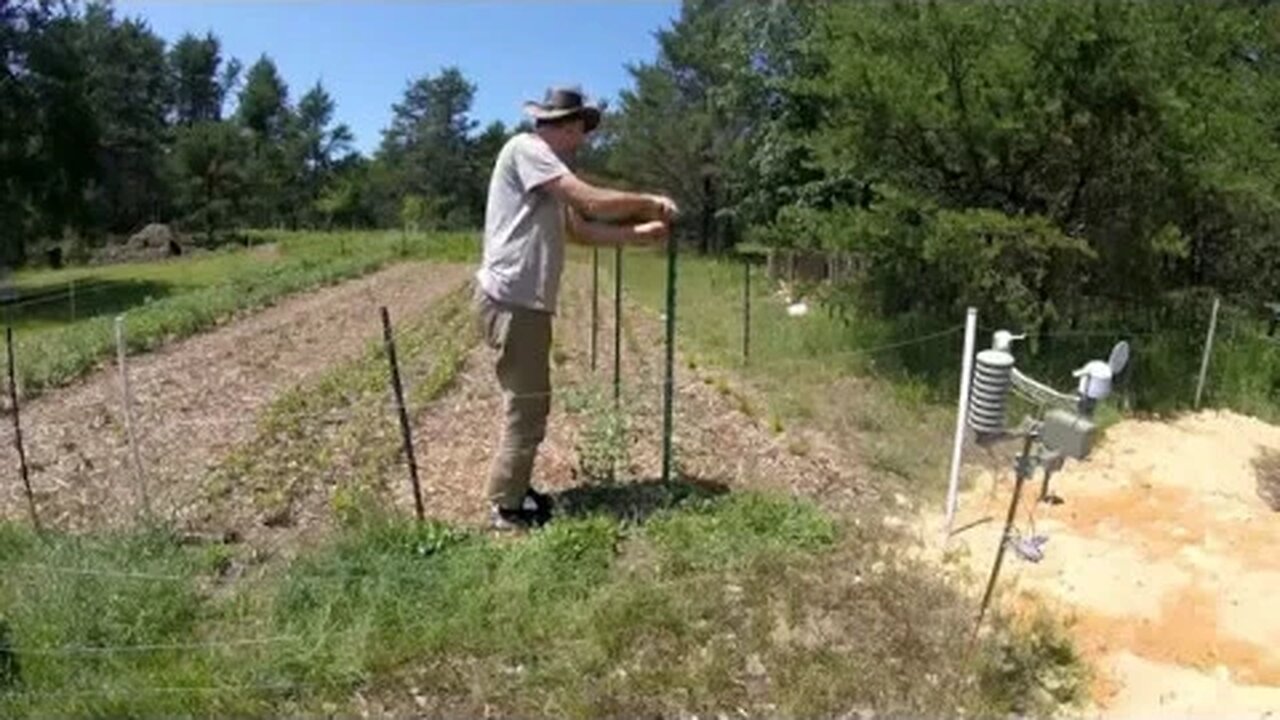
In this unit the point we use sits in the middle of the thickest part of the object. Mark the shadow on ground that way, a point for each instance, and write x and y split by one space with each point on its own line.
635 501
92 297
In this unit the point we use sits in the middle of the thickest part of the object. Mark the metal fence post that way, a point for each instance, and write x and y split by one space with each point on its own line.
746 309
617 326
595 304
668 385
397 392
17 432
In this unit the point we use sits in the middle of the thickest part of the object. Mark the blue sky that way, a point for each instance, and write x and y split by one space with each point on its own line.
366 52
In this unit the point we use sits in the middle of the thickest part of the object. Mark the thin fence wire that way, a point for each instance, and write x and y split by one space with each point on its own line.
1118 333
82 650
159 690
61 295
93 572
874 349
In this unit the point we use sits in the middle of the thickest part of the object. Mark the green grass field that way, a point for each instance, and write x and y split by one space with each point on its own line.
176 298
741 601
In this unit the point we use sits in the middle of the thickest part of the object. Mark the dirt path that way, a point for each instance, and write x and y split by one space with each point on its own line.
195 399
1165 558
718 443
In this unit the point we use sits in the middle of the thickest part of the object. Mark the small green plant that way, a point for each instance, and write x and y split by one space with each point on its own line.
603 443
1033 668
1267 469
721 385
799 446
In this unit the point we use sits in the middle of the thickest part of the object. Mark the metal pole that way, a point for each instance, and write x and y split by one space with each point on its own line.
1022 473
595 304
966 378
746 309
668 385
397 391
17 432
126 397
1208 347
72 292
617 326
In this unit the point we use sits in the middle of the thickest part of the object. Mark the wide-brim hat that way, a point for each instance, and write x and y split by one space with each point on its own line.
562 102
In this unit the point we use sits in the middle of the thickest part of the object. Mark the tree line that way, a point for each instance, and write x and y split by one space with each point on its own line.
105 128
1049 161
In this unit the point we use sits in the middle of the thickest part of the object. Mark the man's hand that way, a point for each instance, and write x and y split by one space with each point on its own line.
654 232
664 208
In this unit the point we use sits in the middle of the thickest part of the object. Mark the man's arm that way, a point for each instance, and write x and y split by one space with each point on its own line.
602 202
608 235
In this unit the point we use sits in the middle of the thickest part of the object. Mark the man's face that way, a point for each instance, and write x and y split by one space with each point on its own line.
570 137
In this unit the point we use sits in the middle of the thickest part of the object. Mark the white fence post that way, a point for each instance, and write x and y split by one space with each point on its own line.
127 398
1208 348
966 377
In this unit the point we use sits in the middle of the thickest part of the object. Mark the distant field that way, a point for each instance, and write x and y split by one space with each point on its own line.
63 323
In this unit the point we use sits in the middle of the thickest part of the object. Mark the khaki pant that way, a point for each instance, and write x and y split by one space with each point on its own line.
522 338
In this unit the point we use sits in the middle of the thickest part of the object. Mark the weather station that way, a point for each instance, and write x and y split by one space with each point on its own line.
1061 427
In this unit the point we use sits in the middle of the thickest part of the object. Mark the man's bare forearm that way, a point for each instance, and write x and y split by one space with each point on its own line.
606 235
606 203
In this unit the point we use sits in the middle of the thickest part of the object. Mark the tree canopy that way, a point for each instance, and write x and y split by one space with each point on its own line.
1035 159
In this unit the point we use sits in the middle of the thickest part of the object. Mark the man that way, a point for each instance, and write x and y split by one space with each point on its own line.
533 196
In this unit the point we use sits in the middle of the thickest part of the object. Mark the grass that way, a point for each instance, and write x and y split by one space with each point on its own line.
742 601
1266 467
176 298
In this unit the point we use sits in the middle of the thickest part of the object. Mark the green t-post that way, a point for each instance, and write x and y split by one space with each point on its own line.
668 386
595 303
617 326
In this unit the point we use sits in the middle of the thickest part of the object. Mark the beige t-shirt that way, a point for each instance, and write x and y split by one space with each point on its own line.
523 227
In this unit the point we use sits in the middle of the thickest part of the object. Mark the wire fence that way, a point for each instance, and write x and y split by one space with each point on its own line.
1219 381
138 452
160 433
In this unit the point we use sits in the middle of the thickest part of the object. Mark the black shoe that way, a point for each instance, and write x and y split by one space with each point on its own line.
539 504
501 518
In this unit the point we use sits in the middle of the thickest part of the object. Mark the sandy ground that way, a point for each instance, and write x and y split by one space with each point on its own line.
195 400
1163 557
